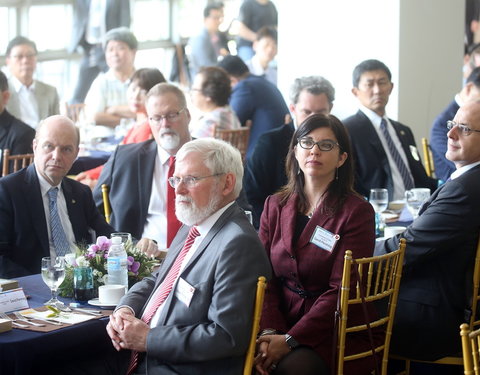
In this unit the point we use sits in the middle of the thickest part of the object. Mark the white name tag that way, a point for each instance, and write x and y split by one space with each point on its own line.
324 239
13 300
184 292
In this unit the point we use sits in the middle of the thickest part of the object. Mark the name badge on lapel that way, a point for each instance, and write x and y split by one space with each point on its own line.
184 292
324 239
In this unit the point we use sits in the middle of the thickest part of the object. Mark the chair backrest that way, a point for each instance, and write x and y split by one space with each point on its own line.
474 318
17 162
74 111
236 137
379 283
428 158
106 203
470 349
257 313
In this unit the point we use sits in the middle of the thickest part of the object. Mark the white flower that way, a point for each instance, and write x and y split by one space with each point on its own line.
81 261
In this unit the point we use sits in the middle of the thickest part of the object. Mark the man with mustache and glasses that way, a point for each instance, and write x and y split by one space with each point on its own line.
195 314
142 202
384 150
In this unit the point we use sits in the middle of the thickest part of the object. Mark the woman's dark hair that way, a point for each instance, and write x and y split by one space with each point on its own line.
216 85
340 187
146 78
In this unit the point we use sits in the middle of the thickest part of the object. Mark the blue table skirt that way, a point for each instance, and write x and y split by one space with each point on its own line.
25 352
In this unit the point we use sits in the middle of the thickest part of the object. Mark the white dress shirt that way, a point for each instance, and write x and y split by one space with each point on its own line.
28 102
398 185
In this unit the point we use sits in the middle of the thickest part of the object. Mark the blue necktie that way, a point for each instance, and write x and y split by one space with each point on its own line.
407 179
60 242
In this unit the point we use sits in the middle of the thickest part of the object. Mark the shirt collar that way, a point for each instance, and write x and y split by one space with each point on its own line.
207 224
462 170
163 155
44 184
374 118
17 85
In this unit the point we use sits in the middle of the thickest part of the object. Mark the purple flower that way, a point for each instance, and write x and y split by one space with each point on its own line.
133 265
103 243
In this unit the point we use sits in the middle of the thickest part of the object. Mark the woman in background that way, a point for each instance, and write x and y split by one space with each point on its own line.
142 81
306 229
210 92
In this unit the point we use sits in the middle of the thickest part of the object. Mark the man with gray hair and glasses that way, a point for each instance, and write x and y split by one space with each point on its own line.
142 202
195 314
265 169
436 288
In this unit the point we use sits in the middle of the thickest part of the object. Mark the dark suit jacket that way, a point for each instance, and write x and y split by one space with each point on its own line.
23 227
438 142
265 168
371 163
15 135
117 14
437 275
254 98
307 266
128 173
211 335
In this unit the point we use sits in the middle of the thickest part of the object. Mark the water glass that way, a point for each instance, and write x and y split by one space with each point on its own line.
83 284
379 199
415 198
126 237
53 274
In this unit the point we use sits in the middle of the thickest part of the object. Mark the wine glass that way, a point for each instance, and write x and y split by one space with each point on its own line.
379 200
53 273
415 198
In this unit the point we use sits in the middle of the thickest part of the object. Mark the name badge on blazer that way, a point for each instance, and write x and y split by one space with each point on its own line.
184 292
324 239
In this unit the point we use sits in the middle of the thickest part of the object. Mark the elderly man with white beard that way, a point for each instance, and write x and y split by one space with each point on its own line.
194 315
142 201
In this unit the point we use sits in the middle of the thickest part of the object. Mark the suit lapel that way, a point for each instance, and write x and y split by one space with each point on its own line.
145 171
32 193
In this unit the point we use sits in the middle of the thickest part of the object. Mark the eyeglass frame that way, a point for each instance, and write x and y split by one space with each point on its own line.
171 117
189 181
464 129
20 57
324 141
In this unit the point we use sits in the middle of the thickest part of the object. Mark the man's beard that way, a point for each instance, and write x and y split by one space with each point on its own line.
169 139
191 214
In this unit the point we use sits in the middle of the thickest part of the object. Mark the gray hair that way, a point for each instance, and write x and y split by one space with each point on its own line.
314 85
163 88
218 156
122 34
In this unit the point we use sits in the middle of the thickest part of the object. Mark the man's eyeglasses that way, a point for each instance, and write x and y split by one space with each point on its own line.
170 117
188 181
27 56
324 145
464 129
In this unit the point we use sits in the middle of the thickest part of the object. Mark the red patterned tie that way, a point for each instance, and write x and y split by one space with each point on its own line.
173 225
162 292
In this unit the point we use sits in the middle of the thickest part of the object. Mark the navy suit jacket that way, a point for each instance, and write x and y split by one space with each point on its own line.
129 174
372 169
256 99
23 227
437 276
438 142
265 169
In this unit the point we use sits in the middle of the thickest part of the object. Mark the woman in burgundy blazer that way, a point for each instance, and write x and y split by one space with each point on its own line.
306 229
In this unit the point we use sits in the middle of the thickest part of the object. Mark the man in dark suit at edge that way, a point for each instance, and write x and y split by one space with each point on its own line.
435 291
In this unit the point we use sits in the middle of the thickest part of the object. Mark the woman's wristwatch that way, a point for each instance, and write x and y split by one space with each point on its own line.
291 342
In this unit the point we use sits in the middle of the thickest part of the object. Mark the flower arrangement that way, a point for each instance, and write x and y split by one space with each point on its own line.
95 256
